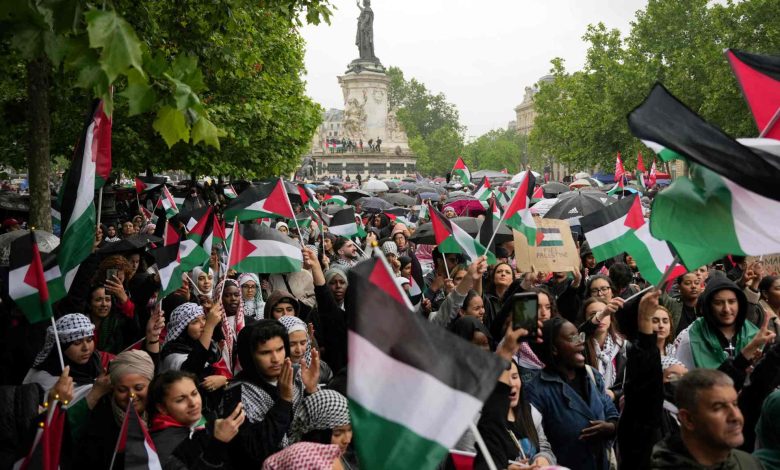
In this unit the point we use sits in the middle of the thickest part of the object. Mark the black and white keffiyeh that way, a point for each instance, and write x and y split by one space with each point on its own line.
670 357
606 356
71 327
181 318
323 410
294 324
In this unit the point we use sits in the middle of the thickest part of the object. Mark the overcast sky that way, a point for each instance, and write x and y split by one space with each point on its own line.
480 54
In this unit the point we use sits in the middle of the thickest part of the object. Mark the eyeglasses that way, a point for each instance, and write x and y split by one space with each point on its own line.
576 339
249 286
600 290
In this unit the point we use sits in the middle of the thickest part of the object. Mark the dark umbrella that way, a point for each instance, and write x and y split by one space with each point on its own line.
428 196
554 188
428 188
331 209
398 199
424 233
407 186
390 184
374 204
577 204
353 195
131 243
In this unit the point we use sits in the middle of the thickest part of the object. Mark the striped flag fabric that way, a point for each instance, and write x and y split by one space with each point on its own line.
518 215
620 171
451 238
394 355
91 163
665 154
229 191
483 192
640 172
218 231
266 200
538 194
34 279
47 444
652 179
308 197
334 199
461 172
621 227
168 265
135 446
148 183
486 231
551 236
343 223
255 248
732 193
759 79
167 202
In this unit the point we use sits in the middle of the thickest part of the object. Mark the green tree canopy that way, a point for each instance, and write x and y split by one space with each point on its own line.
501 148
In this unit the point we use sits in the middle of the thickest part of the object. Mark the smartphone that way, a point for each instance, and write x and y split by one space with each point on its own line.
524 313
230 400
111 273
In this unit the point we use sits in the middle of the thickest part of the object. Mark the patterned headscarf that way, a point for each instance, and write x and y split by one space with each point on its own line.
71 327
254 307
323 410
230 335
304 455
196 272
296 324
181 318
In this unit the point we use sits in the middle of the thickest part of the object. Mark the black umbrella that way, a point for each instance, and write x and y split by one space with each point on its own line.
353 195
374 204
331 209
398 199
424 233
554 188
132 243
577 204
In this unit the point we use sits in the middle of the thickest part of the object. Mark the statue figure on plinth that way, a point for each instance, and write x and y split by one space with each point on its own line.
365 31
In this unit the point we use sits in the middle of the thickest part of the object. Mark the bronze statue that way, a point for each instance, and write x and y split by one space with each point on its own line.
365 31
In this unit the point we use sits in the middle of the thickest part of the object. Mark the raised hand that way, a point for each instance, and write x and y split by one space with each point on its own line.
226 429
753 349
63 388
311 374
285 383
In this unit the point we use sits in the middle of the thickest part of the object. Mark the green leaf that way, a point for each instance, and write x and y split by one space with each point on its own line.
205 130
140 98
55 47
29 41
171 126
120 46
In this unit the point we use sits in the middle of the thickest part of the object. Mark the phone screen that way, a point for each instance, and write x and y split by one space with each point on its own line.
524 313
230 400
110 273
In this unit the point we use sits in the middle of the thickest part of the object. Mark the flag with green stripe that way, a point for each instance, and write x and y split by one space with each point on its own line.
34 278
451 238
394 355
255 248
518 214
461 171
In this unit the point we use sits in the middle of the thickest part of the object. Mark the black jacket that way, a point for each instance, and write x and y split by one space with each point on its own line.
333 328
96 447
178 450
255 442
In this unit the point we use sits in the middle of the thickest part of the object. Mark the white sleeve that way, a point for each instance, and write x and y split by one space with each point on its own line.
684 352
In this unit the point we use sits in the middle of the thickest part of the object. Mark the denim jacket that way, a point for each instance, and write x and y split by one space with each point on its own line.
566 414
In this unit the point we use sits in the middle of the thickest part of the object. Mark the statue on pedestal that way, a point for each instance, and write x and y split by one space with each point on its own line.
365 31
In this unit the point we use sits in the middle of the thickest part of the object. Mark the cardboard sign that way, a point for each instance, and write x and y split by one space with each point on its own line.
771 263
556 252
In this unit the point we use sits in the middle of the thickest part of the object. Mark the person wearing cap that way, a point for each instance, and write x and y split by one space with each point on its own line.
11 225
449 212
390 250
283 227
400 235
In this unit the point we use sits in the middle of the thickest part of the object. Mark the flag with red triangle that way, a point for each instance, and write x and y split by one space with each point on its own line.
461 172
230 191
34 279
308 198
538 194
98 144
47 444
620 171
483 192
759 79
518 215
266 200
148 183
451 238
255 248
135 446
168 203
168 266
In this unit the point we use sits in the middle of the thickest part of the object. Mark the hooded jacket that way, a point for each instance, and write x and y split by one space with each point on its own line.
672 454
703 344
277 297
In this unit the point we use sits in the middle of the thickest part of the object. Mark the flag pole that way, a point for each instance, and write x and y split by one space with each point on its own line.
771 123
447 268
668 272
57 342
482 446
100 206
492 237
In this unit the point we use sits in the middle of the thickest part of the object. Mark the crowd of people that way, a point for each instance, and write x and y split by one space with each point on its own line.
248 370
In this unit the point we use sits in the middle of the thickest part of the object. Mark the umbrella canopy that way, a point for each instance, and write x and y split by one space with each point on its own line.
577 204
399 199
518 177
428 196
374 204
131 243
543 206
580 183
353 195
554 188
331 209
491 174
429 188
456 194
390 184
47 242
594 182
424 233
374 185
465 205
407 186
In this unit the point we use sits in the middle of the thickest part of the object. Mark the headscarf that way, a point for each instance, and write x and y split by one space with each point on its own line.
336 271
323 410
296 324
228 331
181 318
282 224
196 272
253 307
304 455
132 361
390 248
768 432
71 327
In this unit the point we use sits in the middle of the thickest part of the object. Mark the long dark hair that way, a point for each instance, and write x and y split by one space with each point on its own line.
591 357
523 416
491 283
249 338
160 385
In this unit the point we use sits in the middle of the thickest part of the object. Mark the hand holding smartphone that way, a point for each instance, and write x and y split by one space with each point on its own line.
525 314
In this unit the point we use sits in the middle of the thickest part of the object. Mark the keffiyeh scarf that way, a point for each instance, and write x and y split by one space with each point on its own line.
71 327
324 410
669 358
606 356
230 332
296 324
304 455
181 318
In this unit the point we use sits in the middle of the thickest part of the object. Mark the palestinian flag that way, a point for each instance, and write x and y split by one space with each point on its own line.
168 264
47 444
538 194
258 249
461 172
302 220
191 253
77 195
483 192
452 239
518 215
230 192
170 233
34 280
620 172
148 183
308 198
167 202
134 445
665 154
621 227
732 194
486 230
334 199
614 190
194 217
423 213
218 232
652 179
640 171
56 217
759 78
267 200
551 236
394 355
343 223
361 229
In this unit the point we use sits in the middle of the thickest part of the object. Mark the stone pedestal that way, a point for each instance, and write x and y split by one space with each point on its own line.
366 113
